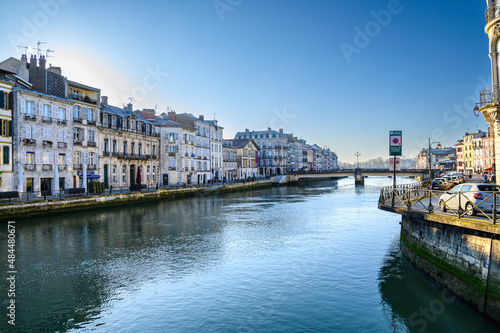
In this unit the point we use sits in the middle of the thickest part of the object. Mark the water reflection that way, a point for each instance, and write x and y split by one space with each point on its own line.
413 301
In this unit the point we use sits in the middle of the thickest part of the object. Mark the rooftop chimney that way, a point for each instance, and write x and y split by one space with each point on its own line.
41 62
171 115
104 100
269 129
201 117
281 130
246 130
56 70
130 107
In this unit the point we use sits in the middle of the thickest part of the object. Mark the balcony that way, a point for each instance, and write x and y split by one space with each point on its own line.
492 12
91 167
154 157
61 121
105 153
29 142
77 142
46 120
490 96
46 167
30 117
30 167
85 98
77 120
61 167
114 154
77 167
171 154
47 143
91 122
62 145
171 168
91 144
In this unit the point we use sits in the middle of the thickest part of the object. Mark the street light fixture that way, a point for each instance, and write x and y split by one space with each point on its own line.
476 111
430 156
357 159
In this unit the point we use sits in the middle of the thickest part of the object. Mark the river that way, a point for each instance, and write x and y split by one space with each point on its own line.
315 258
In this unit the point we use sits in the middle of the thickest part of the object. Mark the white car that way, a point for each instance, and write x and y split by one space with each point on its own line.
473 198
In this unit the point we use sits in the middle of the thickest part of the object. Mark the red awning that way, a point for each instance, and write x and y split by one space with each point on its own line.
488 169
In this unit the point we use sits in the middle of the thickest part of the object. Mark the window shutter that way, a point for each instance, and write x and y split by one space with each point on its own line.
28 132
45 133
86 157
2 100
54 112
82 134
23 157
11 101
63 136
69 159
56 159
84 113
23 105
37 158
38 109
61 133
10 128
96 158
49 133
68 115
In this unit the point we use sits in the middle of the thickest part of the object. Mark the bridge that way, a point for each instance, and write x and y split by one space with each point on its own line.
360 173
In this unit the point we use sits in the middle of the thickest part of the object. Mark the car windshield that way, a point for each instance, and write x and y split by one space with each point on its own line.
489 188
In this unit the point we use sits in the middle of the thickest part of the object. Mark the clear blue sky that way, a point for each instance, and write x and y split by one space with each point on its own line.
298 65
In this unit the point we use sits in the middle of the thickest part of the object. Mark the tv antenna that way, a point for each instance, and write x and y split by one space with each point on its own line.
47 53
38 48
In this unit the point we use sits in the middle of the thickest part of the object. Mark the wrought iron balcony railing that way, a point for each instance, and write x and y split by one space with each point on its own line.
490 95
492 12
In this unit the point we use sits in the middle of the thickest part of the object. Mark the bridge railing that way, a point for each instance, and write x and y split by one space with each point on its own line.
417 197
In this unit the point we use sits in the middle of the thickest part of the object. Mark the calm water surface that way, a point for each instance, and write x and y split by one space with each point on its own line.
320 258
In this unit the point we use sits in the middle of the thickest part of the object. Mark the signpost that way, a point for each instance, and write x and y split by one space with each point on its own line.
395 148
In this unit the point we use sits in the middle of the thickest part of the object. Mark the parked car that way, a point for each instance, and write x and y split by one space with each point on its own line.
449 180
473 198
456 179
438 184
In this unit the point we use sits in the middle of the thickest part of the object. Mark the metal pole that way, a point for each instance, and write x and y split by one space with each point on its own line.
430 160
394 178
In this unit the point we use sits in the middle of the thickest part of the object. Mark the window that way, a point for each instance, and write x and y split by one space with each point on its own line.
171 137
114 174
147 174
30 158
125 147
5 127
90 115
91 135
106 148
62 115
140 149
77 157
62 159
30 111
46 112
76 135
91 158
132 148
154 173
114 146
172 149
6 155
124 174
76 112
154 150
171 163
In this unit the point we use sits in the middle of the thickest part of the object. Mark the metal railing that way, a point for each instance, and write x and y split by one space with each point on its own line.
490 95
416 197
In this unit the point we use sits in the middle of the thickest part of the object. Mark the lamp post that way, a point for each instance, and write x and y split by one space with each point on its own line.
357 159
477 112
430 156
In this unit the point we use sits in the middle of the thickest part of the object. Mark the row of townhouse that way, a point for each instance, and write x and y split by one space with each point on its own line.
475 153
58 134
443 158
280 153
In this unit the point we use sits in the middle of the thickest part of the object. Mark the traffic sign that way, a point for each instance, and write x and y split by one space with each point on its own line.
395 143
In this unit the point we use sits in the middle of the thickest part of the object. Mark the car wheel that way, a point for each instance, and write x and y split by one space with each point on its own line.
442 206
469 209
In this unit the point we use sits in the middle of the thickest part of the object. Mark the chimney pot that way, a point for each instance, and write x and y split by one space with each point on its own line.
171 116
104 100
201 117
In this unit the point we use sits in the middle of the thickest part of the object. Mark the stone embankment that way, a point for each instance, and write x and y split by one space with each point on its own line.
26 210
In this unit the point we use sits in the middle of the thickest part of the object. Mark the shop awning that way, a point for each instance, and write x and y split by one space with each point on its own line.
93 176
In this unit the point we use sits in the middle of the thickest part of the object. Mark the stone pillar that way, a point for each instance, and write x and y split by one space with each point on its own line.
358 177
492 117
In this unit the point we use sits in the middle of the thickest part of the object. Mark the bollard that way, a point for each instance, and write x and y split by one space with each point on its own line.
110 189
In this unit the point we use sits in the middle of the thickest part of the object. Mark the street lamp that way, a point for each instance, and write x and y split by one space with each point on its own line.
357 159
430 156
476 111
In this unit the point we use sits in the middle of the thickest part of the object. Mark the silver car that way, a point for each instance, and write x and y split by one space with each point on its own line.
472 197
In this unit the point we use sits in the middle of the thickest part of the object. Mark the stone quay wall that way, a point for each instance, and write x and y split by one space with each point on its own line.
464 256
